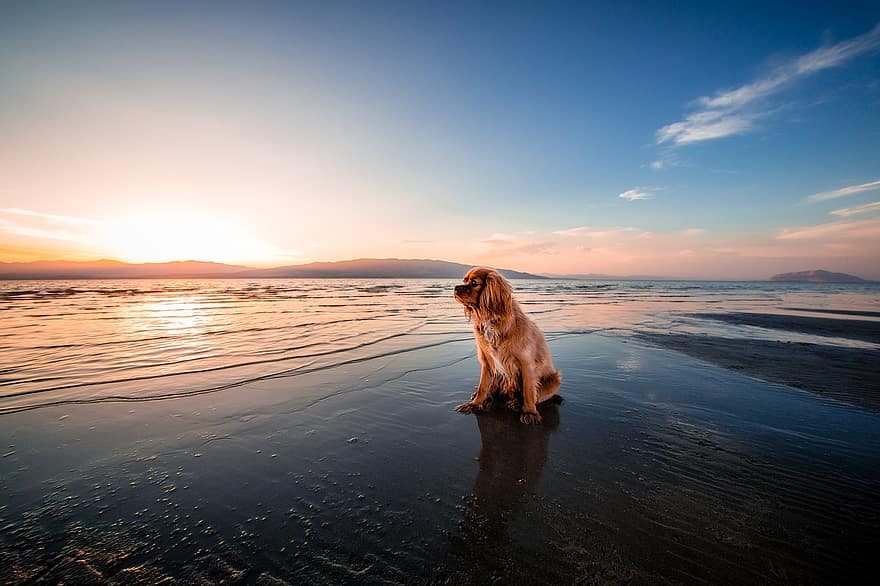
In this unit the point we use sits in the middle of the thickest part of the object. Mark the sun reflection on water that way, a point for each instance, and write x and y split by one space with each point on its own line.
182 319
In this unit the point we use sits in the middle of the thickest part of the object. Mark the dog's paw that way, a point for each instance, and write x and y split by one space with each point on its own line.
469 407
513 405
530 418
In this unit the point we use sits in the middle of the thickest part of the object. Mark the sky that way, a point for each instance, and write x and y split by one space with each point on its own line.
693 140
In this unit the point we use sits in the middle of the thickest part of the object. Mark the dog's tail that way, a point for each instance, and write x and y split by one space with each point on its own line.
549 385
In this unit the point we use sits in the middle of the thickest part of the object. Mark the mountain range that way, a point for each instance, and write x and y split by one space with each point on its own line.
364 268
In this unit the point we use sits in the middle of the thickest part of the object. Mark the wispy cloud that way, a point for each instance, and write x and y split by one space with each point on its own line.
844 191
707 125
8 227
667 158
54 218
32 224
864 209
736 111
572 231
590 232
636 193
861 229
506 245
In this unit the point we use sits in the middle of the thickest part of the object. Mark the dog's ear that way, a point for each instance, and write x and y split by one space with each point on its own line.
497 296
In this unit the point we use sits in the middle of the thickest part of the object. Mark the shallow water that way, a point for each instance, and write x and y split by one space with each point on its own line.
88 341
253 432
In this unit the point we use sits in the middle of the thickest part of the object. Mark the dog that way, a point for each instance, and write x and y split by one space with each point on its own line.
512 351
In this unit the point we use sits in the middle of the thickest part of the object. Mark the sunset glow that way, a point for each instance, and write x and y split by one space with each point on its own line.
168 236
329 132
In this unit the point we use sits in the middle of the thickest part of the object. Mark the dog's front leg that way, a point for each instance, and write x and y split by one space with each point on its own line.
478 401
530 392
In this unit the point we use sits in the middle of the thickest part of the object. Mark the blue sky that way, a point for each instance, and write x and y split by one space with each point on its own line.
660 138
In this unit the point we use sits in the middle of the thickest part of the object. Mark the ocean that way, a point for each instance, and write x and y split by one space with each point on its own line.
303 431
88 341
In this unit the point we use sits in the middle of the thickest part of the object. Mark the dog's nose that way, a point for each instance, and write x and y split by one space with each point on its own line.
459 288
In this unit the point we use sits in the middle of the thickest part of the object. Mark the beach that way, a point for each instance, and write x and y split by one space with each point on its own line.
275 432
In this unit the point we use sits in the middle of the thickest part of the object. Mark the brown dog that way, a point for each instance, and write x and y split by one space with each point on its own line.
511 349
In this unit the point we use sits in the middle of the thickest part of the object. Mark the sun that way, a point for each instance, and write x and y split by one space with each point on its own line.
157 236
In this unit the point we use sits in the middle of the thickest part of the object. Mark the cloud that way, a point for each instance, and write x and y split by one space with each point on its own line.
864 209
858 230
589 232
614 232
32 224
736 111
636 194
504 245
844 191
53 218
842 245
8 227
667 158
572 231
706 125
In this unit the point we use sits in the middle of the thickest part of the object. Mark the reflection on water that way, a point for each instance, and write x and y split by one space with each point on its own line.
179 316
511 459
180 322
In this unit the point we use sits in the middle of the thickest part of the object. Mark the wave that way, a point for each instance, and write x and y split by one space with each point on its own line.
67 337
296 371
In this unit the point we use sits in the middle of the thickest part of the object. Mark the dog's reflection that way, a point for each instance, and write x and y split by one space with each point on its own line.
512 457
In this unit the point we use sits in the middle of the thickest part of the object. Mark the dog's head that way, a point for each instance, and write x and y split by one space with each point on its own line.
484 292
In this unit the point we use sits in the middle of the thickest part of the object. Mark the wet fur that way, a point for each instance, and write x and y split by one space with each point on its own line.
514 357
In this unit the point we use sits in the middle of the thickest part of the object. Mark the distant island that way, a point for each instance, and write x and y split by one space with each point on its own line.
364 268
817 276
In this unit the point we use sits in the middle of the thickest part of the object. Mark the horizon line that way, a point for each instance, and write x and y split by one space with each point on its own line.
245 268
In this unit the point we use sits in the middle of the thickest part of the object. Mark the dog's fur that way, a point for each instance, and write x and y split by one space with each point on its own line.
511 349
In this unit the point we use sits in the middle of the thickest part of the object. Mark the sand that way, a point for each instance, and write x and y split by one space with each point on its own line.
853 329
850 375
658 467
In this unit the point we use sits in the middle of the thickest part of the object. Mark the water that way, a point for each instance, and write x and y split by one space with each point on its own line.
298 431
67 341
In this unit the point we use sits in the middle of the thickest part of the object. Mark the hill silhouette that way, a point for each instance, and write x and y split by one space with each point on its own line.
364 268
817 276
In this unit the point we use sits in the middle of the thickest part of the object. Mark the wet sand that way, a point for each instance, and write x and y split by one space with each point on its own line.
658 468
854 329
851 375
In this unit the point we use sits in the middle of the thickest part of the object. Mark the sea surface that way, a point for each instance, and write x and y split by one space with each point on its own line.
90 341
303 431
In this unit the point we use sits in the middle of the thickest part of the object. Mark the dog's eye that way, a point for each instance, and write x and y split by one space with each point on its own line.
474 283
